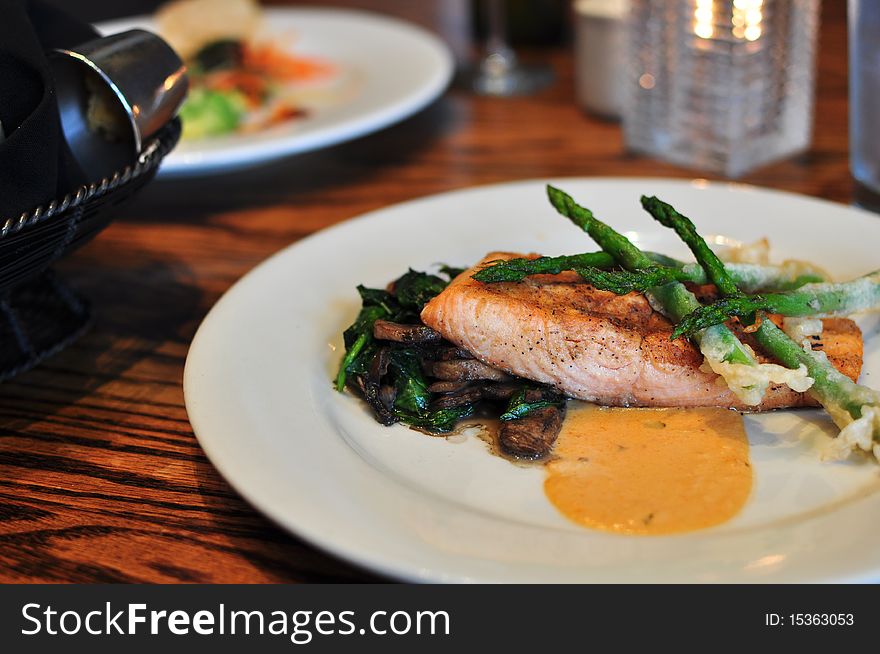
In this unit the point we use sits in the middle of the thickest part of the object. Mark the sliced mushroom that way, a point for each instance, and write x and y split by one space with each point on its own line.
447 386
379 365
531 437
385 330
451 400
371 395
370 386
500 391
387 395
464 370
447 353
536 395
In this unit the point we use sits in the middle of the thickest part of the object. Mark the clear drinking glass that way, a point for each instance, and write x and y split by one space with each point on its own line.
864 100
499 71
720 85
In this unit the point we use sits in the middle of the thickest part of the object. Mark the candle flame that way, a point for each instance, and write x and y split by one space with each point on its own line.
704 19
746 19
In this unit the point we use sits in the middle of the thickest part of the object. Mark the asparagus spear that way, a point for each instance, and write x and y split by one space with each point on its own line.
752 277
853 407
667 216
748 276
862 294
717 343
514 270
626 281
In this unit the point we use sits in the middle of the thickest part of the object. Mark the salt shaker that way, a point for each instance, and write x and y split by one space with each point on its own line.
722 86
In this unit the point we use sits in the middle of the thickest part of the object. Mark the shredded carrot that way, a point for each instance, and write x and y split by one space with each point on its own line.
279 64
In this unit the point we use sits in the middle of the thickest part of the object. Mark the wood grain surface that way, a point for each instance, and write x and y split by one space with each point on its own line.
101 478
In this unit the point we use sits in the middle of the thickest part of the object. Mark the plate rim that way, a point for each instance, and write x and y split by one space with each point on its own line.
352 554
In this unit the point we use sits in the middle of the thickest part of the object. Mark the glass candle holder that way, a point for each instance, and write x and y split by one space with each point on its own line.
722 86
864 100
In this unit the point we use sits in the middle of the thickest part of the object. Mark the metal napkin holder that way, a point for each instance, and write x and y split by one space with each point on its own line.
140 83
39 314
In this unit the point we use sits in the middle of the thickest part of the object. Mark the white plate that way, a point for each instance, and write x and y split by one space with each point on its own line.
258 393
396 68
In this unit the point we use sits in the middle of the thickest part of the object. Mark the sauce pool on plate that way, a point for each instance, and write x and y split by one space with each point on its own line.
649 471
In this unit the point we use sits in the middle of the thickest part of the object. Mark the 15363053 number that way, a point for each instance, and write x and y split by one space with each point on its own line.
821 619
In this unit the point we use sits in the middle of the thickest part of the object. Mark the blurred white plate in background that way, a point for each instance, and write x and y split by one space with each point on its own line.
396 68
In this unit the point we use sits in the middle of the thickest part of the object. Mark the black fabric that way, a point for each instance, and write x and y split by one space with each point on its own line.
35 163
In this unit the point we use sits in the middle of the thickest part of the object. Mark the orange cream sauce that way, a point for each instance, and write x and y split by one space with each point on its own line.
649 471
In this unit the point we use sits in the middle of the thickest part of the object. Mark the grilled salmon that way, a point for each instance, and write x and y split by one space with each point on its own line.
601 347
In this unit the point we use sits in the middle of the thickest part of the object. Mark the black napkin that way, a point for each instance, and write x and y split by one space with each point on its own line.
36 165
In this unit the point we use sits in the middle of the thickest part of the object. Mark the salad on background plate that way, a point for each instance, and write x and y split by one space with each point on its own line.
244 79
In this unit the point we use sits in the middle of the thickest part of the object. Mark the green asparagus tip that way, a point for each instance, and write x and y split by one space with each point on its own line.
716 313
558 198
660 210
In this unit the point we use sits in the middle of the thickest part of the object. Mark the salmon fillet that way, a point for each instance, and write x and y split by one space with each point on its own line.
601 347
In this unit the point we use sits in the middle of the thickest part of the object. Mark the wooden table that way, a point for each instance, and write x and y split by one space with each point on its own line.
101 478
